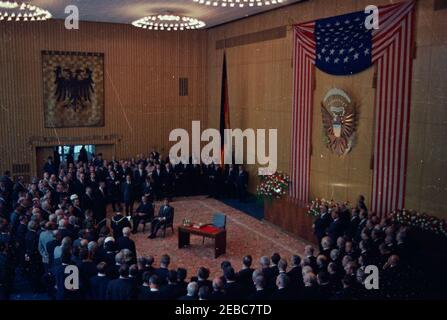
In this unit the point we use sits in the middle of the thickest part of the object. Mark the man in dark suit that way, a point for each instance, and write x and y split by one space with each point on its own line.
348 291
121 288
163 271
98 160
7 182
87 269
324 286
275 258
165 216
143 214
168 181
157 176
148 188
192 290
125 242
244 276
203 274
268 273
49 166
310 290
353 223
150 290
51 245
309 257
60 275
18 188
260 292
230 181
295 274
83 155
128 193
139 178
335 229
362 224
154 154
181 283
33 257
92 182
171 290
321 224
283 291
148 262
99 283
113 189
394 278
80 185
88 201
218 290
242 183
100 205
233 290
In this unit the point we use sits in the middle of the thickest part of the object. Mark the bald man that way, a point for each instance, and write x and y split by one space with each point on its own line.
218 289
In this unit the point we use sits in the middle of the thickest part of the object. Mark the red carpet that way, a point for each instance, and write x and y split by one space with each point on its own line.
245 235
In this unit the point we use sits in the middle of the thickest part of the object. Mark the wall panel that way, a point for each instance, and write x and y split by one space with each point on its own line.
141 74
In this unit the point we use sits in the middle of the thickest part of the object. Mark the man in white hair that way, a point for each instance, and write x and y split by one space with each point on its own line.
59 213
53 218
268 273
62 226
310 291
125 242
283 291
309 258
192 290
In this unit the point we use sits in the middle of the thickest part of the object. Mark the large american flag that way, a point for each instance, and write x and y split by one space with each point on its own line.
343 46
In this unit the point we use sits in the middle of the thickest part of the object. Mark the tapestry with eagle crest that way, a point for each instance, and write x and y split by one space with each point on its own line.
73 89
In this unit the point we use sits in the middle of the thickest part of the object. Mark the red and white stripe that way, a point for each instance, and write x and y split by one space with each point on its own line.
304 64
392 55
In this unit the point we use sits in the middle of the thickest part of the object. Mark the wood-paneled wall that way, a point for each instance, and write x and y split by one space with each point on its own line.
142 102
260 94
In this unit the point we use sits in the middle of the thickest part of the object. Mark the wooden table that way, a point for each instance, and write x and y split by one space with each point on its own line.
218 234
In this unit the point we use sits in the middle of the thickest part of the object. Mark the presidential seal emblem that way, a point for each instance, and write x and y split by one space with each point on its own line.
339 121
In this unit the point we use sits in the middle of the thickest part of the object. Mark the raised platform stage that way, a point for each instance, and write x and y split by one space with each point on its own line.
291 216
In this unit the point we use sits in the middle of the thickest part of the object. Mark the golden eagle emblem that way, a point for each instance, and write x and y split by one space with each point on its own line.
339 121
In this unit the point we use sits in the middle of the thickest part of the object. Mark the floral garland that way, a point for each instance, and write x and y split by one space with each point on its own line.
273 186
403 217
420 221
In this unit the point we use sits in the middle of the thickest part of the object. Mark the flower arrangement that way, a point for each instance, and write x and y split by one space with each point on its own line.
420 221
273 186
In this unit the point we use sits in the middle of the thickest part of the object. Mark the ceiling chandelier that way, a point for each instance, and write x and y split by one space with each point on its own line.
12 11
239 3
168 22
